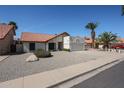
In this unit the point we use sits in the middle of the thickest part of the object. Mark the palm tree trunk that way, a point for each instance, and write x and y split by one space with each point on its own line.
92 43
93 38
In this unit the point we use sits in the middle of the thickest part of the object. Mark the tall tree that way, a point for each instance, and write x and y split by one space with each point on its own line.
14 24
107 38
122 10
92 26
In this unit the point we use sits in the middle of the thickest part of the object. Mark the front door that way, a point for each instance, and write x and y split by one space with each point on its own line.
32 46
13 48
60 45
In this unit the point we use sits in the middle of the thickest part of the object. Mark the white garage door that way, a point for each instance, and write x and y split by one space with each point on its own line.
76 46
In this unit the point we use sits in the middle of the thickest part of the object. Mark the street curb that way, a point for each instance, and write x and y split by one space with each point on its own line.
53 86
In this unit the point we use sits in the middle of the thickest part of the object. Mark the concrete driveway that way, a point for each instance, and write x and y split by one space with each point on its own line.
15 66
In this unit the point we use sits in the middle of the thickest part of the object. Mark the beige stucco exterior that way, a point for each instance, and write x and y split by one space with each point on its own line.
55 40
37 46
67 42
5 44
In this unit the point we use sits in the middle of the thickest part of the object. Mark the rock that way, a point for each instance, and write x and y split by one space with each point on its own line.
32 58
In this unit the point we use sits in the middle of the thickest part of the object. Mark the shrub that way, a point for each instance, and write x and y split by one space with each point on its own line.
40 53
66 50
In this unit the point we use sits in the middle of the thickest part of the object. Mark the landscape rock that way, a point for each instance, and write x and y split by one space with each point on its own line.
32 58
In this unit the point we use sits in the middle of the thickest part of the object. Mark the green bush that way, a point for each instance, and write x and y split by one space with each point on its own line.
66 50
40 53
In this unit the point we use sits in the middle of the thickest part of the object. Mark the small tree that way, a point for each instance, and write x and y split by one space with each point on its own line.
107 38
97 42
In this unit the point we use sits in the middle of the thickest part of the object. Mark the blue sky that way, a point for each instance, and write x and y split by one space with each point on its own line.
57 19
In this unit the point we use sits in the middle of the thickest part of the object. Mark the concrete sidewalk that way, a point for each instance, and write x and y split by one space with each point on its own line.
53 77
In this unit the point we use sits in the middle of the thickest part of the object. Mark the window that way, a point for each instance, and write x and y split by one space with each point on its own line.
32 46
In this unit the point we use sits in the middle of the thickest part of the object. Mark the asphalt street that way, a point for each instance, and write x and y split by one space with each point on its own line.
110 78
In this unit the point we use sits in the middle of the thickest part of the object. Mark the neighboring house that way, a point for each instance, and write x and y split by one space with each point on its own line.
120 40
7 33
88 42
33 41
74 43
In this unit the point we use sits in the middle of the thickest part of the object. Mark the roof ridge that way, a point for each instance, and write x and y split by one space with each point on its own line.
40 33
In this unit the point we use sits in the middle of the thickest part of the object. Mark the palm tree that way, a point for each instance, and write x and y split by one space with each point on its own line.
14 24
122 10
107 38
92 26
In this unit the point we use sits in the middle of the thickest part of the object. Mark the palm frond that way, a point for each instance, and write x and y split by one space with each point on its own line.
122 10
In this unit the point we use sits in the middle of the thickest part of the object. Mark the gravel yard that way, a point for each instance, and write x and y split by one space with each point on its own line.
15 66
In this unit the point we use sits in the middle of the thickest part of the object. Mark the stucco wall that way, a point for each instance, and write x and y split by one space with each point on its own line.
66 43
25 47
40 46
55 40
37 46
5 44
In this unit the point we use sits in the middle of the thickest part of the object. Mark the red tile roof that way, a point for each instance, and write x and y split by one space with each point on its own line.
88 40
33 37
4 30
121 40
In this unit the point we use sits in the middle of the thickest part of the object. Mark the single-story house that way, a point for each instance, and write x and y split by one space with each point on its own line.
48 42
120 41
7 33
74 43
88 42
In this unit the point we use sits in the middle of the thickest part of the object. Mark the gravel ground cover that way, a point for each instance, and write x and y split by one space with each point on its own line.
15 66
